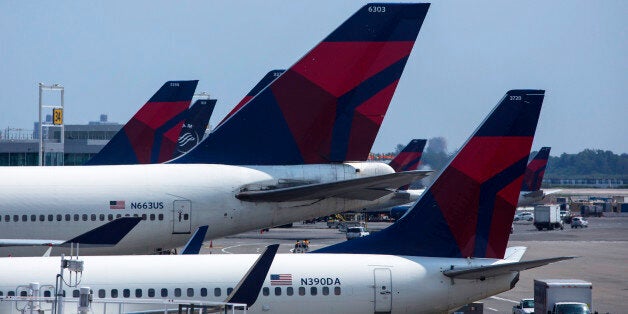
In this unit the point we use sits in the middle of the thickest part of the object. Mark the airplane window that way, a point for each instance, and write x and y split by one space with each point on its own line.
33 217
42 218
325 290
59 217
127 215
118 216
0 293
217 292
277 290
152 216
51 217
337 290
186 216
93 217
161 216
229 290
11 293
143 216
301 290
23 293
76 217
16 218
47 294
138 293
164 292
203 292
126 293
265 291
7 218
177 292
135 215
313 291
24 217
151 293
101 293
102 217
289 291
75 293
114 293
190 292
110 217
67 217
84 217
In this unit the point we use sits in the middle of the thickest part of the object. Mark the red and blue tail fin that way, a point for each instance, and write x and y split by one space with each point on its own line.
267 79
151 135
195 125
468 210
535 171
327 107
408 159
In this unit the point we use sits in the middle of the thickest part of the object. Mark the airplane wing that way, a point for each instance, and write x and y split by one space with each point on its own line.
368 188
483 272
548 192
108 234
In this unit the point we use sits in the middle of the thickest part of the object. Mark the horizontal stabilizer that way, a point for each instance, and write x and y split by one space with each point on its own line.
108 234
248 288
368 188
483 272
196 241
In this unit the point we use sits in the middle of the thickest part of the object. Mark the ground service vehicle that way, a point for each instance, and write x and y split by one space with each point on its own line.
562 296
547 216
525 306
579 222
356 232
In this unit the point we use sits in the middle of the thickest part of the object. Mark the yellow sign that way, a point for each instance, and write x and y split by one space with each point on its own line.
57 116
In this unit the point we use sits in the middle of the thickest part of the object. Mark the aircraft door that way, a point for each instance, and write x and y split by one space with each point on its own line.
383 290
182 217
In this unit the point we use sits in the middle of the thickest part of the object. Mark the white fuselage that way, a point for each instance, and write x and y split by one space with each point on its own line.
320 283
60 203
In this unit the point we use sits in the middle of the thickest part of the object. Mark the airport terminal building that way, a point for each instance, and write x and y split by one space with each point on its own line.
19 147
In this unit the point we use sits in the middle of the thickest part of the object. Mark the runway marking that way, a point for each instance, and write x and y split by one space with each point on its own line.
238 245
503 299
492 309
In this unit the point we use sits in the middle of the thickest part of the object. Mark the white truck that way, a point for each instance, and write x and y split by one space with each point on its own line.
525 306
547 217
554 296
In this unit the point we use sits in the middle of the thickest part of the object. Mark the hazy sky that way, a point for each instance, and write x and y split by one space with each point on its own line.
111 56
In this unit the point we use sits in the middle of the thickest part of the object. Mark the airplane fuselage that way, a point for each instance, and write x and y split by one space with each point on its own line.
62 202
311 283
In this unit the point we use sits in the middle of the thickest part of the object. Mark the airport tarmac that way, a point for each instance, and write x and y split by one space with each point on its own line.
602 250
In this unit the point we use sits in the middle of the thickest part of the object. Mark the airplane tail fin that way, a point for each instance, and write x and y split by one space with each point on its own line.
327 107
267 79
535 171
151 134
408 159
193 129
469 208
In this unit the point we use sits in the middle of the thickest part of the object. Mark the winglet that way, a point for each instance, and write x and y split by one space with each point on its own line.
108 234
248 288
469 208
151 134
536 169
196 241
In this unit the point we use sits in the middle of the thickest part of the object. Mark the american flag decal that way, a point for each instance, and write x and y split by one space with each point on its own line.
281 279
116 205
